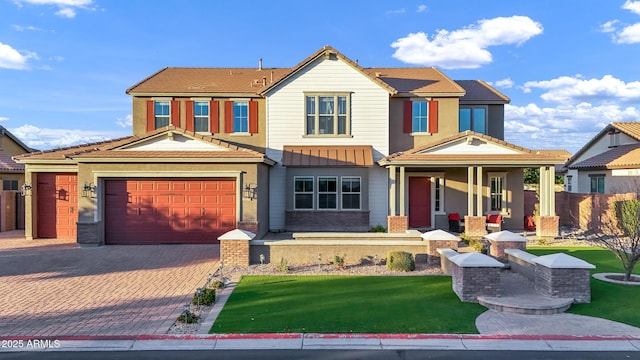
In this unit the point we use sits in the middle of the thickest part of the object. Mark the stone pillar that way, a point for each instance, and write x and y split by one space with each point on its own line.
397 224
234 247
475 274
88 234
503 240
251 226
547 226
438 239
475 226
564 276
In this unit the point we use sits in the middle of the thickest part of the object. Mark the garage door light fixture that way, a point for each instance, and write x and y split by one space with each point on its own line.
25 189
89 190
250 191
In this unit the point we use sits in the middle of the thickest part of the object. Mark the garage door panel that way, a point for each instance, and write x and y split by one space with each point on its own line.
169 211
57 205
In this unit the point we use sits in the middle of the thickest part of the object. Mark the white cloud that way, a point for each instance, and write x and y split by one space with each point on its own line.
45 138
422 8
126 122
629 35
66 8
26 28
564 126
609 26
633 6
575 89
11 58
504 83
396 11
3 118
465 48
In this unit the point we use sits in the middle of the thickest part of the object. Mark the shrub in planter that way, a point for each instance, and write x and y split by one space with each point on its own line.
338 261
207 298
188 317
378 228
400 261
478 246
217 284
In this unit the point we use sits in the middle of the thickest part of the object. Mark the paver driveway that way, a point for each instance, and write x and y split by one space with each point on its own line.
56 288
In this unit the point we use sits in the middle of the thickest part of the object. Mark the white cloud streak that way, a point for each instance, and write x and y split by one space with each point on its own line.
466 48
11 58
633 6
629 34
504 83
422 8
47 138
575 89
126 122
66 8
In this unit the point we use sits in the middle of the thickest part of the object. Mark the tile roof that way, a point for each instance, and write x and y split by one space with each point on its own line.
8 165
416 80
621 157
478 90
630 128
332 156
109 149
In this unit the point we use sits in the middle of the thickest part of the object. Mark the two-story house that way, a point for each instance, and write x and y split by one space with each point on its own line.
326 145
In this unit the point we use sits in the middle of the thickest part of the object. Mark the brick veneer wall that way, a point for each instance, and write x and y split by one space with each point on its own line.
547 226
471 282
234 252
248 225
475 226
88 234
564 283
307 254
397 224
433 257
327 220
497 248
522 267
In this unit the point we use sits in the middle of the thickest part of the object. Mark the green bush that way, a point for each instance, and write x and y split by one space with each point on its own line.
188 317
478 245
217 284
283 267
400 261
378 229
338 261
208 297
465 238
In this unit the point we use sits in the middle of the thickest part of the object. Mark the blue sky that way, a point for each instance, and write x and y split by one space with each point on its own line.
569 67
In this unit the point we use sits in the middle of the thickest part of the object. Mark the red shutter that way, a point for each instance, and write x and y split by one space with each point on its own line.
190 126
253 117
407 116
175 113
228 117
214 121
433 117
151 116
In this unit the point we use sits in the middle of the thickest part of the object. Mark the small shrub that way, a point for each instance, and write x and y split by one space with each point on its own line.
338 261
478 245
378 229
188 317
217 284
400 261
465 238
283 267
542 241
208 297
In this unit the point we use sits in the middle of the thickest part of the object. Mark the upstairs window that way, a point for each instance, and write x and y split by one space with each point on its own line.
241 117
420 117
162 114
473 118
201 116
327 114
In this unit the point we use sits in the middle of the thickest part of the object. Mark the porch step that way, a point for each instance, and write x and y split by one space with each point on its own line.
519 296
409 235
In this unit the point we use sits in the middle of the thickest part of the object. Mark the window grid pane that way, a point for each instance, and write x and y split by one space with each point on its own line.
327 193
303 193
322 116
419 116
496 193
437 197
240 116
161 114
201 116
351 193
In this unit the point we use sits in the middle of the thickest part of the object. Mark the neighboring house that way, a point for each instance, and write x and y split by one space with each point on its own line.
326 145
609 163
12 174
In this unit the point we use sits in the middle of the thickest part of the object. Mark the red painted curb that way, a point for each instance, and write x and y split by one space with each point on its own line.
259 336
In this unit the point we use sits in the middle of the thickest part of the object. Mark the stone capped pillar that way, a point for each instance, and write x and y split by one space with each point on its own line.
438 239
234 247
475 274
397 224
502 240
475 226
564 276
548 226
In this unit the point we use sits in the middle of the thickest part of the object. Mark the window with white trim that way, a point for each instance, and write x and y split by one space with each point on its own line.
350 192
327 193
201 116
162 113
569 183
419 116
303 193
240 116
497 192
473 118
327 114
597 183
437 207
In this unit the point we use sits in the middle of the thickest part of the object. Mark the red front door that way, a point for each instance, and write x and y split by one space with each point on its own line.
419 202
57 201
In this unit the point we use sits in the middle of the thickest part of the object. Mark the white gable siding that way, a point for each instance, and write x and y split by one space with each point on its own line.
174 143
286 124
602 145
461 147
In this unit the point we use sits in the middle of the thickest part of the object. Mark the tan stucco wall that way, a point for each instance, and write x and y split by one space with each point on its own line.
10 147
401 141
253 141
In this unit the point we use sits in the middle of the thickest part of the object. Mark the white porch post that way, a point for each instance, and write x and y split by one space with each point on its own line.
402 190
479 192
552 192
392 190
470 191
543 191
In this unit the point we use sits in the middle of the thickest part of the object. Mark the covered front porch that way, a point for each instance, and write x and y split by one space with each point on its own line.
474 176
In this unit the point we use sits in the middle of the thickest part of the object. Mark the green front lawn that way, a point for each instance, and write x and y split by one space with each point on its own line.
345 304
608 301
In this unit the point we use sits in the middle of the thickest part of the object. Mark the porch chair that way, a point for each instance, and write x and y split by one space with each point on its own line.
455 223
494 222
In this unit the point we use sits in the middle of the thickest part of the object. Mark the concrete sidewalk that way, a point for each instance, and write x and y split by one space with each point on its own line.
322 341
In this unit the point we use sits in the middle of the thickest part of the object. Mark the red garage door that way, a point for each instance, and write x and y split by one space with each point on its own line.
168 211
57 202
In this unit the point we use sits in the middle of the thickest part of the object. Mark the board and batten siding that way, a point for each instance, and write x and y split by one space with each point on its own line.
369 126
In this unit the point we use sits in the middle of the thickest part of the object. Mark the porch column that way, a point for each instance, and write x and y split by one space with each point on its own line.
479 192
543 191
470 191
392 190
547 223
402 190
552 192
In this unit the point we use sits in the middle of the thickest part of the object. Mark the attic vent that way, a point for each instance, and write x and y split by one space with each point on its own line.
379 74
